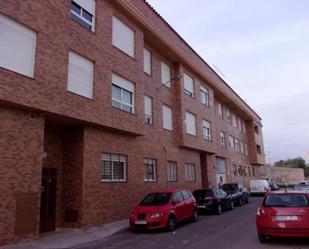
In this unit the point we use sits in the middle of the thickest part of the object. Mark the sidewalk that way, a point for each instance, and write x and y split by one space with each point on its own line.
67 238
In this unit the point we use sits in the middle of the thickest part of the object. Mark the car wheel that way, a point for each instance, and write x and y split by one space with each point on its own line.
219 209
195 215
232 205
263 238
171 223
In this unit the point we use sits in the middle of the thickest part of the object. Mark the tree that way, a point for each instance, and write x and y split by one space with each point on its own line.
297 162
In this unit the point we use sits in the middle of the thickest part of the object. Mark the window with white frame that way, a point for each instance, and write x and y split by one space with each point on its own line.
147 61
122 93
167 118
83 12
190 123
188 85
244 127
171 171
17 47
206 128
150 170
148 109
80 75
239 124
204 95
231 141
123 37
242 147
228 116
220 110
113 167
234 120
165 74
246 149
189 172
234 169
222 139
236 144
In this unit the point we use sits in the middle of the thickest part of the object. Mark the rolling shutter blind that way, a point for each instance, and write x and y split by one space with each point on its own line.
88 5
148 105
147 61
80 75
123 83
188 83
17 47
165 74
167 118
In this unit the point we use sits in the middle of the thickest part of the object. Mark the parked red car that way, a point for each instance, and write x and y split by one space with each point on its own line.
283 214
164 209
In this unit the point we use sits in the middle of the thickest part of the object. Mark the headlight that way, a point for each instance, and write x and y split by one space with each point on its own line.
156 215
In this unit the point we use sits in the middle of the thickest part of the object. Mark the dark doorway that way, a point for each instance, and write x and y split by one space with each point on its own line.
48 200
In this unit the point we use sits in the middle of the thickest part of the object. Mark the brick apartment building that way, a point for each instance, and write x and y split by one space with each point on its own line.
101 102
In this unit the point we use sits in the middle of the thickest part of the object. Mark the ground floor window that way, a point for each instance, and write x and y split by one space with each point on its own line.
171 171
150 170
234 169
114 167
190 172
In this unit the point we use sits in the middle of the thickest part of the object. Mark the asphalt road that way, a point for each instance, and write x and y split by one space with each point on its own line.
232 230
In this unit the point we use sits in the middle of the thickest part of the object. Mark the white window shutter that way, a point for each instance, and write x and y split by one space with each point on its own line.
147 61
123 37
80 75
88 5
165 74
123 83
167 118
148 105
190 123
188 83
17 47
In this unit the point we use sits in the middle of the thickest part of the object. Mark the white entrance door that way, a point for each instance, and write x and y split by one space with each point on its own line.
220 170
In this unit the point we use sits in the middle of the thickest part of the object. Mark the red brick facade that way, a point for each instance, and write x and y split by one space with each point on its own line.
45 126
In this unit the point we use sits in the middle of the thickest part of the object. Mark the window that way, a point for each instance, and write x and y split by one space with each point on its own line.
256 129
171 171
236 145
222 139
249 171
231 141
228 116
165 74
204 95
17 47
167 118
253 171
80 75
148 109
190 124
123 37
246 149
83 11
234 120
240 171
244 127
147 61
206 127
186 194
122 94
150 170
188 85
220 110
258 148
114 167
177 197
234 168
242 149
190 172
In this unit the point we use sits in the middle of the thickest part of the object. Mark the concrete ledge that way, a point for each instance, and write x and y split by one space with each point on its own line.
66 238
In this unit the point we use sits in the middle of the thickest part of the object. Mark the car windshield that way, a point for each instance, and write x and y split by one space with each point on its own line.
156 199
286 200
230 187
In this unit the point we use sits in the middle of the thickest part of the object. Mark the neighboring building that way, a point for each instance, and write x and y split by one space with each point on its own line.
101 102
281 175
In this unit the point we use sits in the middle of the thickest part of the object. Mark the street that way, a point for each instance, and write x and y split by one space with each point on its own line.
233 229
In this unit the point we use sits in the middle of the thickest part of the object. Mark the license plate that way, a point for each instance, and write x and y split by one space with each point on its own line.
201 206
140 222
286 218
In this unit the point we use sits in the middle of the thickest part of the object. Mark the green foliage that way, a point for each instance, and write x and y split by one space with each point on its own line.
297 162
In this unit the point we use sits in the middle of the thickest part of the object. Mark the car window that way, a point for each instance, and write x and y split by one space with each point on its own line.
177 197
286 200
156 199
186 195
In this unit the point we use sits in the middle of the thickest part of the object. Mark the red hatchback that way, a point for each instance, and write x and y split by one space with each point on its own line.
283 214
163 209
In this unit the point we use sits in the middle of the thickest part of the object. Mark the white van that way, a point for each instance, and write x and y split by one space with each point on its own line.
259 186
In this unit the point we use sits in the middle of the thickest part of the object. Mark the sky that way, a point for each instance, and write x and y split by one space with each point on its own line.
261 48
